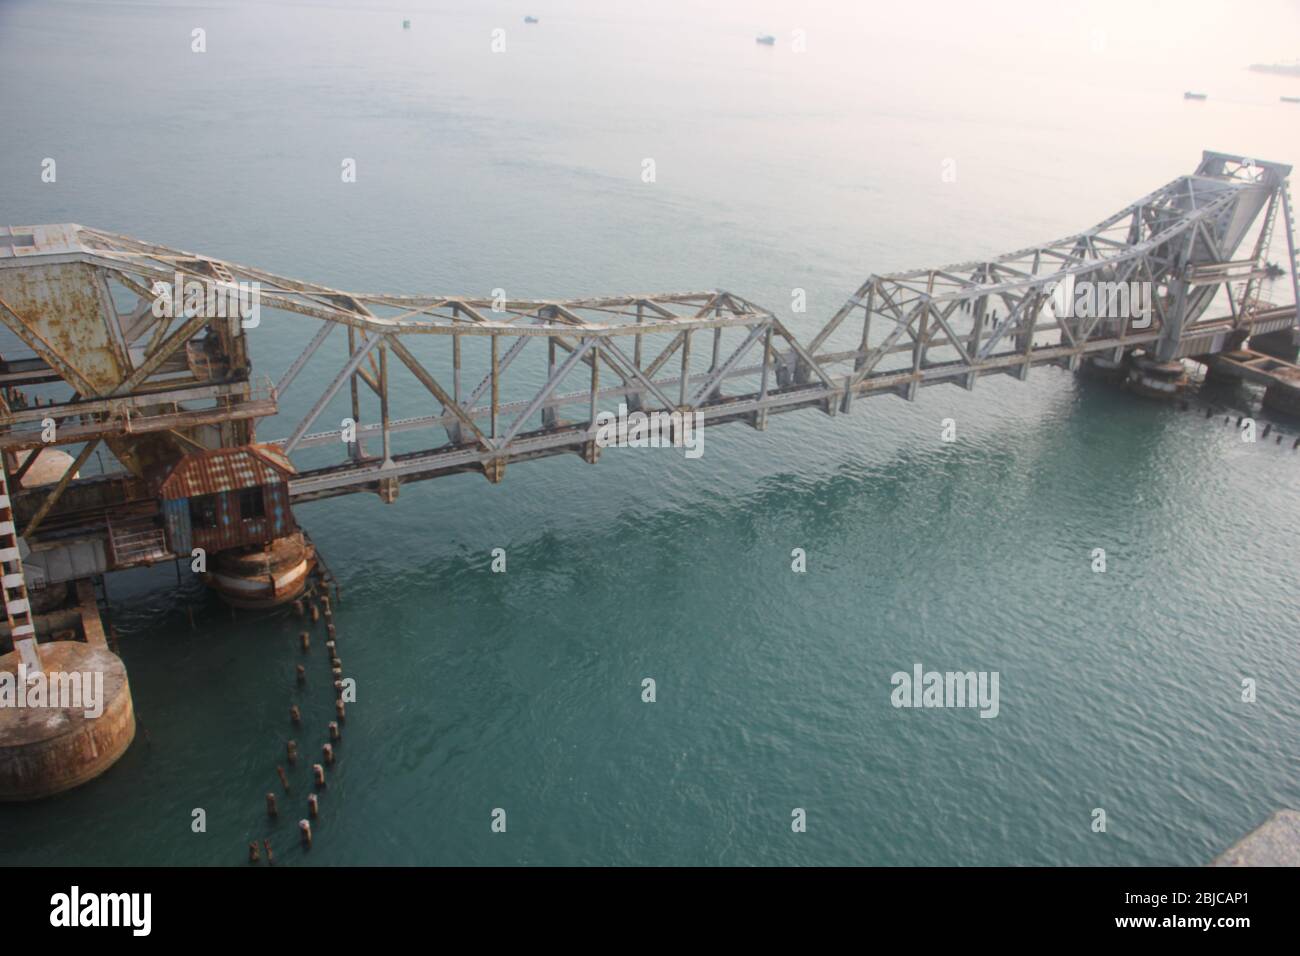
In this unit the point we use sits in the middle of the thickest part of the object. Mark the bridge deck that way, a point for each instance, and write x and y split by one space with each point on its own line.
116 359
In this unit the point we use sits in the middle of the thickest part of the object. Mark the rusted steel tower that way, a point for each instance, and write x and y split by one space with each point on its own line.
154 368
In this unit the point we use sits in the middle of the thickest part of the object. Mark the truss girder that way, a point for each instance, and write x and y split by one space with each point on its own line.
896 333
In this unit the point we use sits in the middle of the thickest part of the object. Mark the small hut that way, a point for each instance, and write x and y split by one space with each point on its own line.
227 498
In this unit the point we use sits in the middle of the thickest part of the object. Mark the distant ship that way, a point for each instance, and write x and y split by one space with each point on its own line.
530 20
766 40
1195 96
1284 69
1291 99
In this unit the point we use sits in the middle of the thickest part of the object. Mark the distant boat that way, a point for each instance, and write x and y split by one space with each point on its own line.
1195 96
406 24
1282 69
1291 99
766 40
531 20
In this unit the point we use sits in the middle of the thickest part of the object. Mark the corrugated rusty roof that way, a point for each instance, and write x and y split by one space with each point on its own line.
226 469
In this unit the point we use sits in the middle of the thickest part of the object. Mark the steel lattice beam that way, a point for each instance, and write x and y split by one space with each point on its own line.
895 334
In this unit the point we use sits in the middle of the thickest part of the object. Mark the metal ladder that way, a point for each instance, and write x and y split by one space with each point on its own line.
17 608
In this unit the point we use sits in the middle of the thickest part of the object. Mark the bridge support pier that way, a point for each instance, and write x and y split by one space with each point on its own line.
1283 397
1221 375
64 738
258 578
1153 379
1281 344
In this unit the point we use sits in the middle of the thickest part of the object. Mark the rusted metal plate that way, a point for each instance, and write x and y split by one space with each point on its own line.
62 314
224 531
176 519
226 469
279 517
224 525
54 239
66 561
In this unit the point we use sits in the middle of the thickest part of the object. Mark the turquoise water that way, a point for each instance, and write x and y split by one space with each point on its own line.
776 170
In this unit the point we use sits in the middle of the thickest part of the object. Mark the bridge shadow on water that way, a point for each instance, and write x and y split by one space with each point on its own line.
1094 432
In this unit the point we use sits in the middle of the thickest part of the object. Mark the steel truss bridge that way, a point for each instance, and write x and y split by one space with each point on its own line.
79 301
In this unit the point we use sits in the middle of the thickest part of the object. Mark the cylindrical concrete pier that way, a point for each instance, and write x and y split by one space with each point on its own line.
258 578
46 750
1162 380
